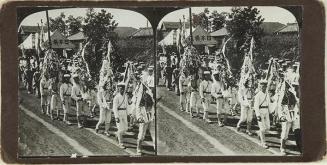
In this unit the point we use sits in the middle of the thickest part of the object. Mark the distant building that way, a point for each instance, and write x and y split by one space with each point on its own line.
219 36
60 44
270 27
167 27
122 33
289 29
25 31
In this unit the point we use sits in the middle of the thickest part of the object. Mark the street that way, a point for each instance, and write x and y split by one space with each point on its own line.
41 136
178 134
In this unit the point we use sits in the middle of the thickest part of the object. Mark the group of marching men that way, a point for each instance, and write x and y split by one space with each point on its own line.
275 98
131 101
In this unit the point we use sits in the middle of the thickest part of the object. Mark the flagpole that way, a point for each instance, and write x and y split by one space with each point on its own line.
191 35
49 39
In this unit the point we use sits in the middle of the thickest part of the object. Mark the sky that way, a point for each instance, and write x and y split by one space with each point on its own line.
137 20
123 17
270 14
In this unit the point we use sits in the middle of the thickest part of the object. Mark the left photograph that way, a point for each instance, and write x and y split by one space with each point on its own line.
86 83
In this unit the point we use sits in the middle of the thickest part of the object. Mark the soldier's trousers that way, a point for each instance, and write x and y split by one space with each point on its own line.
45 99
246 114
220 106
184 100
206 103
264 124
194 98
105 116
142 130
55 102
122 125
66 106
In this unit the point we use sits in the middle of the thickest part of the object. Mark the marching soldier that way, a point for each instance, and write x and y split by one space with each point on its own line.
45 93
183 91
36 81
289 115
104 97
76 94
144 115
150 79
261 104
245 95
120 103
193 85
205 90
55 99
216 92
65 93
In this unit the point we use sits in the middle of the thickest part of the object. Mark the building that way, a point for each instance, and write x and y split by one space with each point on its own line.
167 27
60 44
291 29
270 27
219 36
25 31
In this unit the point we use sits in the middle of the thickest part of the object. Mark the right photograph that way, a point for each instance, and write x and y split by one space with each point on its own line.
227 81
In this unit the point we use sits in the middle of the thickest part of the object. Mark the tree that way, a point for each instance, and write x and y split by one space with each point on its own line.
98 29
201 19
58 23
244 24
218 20
73 24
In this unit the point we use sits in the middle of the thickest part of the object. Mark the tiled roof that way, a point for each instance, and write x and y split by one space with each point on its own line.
220 32
174 25
31 29
124 32
271 27
143 32
77 36
289 28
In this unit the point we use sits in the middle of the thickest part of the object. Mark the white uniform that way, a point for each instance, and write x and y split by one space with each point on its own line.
65 96
261 104
77 96
105 103
216 92
120 103
193 85
65 93
45 92
184 94
246 100
205 91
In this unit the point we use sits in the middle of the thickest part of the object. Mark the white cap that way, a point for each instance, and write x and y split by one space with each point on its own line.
66 75
263 82
121 84
215 72
206 72
75 75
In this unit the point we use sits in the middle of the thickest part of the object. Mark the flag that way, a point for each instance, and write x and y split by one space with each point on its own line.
109 50
179 43
223 51
251 48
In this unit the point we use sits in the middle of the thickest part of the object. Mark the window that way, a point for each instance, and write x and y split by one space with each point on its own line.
55 41
208 37
197 38
60 41
203 38
66 42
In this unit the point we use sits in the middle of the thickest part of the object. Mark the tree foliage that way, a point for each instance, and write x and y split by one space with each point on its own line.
218 20
68 26
58 23
74 25
98 29
244 24
201 19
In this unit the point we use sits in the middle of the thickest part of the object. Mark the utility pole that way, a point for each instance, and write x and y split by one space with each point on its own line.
191 35
49 39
